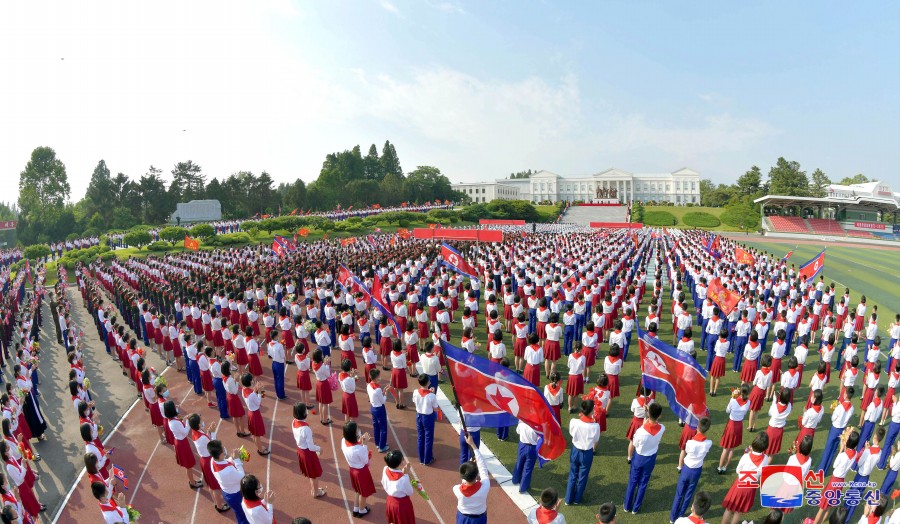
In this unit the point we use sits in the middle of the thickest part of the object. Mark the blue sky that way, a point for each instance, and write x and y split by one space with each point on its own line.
478 89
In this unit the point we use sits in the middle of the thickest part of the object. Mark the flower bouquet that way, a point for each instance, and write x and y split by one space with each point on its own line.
243 454
161 381
100 430
133 514
21 394
25 451
417 485
87 383
310 326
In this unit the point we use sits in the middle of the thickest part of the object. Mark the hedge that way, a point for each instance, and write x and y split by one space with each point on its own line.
659 218
700 219
738 215
159 245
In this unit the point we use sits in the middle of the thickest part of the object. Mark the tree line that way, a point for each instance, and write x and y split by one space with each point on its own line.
47 214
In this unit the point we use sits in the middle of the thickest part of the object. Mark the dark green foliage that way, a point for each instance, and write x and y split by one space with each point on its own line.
700 219
659 218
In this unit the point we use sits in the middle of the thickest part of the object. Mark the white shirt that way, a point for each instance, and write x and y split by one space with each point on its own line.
376 395
303 436
778 419
736 410
646 441
585 435
695 451
425 402
357 455
396 488
476 503
527 435
229 474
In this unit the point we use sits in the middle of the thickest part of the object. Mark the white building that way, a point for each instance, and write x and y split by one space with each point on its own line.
487 191
678 187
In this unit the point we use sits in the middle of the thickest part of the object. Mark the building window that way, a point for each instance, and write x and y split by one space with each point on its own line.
678 199
693 186
668 186
677 186
694 199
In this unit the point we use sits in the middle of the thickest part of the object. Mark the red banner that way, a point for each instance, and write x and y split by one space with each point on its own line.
500 222
870 225
347 241
473 235
191 243
617 225
726 299
741 256
10 224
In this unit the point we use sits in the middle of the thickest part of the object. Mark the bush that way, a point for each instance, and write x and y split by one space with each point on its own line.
659 218
203 231
37 251
173 234
232 238
159 245
106 257
700 219
137 239
738 215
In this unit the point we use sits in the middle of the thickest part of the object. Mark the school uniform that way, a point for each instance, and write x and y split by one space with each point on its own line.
736 410
585 435
111 511
891 476
229 473
871 417
200 440
809 422
778 415
398 506
646 444
184 457
542 515
842 465
891 436
307 450
349 406
254 419
554 396
866 462
258 511
323 388
426 406
575 383
358 456
695 451
742 494
471 499
526 456
534 357
840 417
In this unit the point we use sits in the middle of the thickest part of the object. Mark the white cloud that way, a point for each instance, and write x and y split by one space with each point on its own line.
389 7
448 7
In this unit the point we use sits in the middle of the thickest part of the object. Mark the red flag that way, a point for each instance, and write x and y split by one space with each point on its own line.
432 226
325 236
191 243
294 212
347 241
676 375
455 259
634 239
813 267
303 232
349 208
726 299
404 233
344 275
742 256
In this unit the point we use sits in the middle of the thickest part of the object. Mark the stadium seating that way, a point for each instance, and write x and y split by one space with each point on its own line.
860 234
823 226
788 224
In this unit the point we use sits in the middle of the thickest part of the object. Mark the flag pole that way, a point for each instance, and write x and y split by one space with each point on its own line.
462 418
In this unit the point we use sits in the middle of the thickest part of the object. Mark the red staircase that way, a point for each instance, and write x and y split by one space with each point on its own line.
822 226
788 224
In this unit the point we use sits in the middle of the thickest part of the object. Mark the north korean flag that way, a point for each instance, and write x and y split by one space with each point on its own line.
492 396
677 375
811 269
376 301
455 261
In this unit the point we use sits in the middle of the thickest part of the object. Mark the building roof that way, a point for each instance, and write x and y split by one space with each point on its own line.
880 203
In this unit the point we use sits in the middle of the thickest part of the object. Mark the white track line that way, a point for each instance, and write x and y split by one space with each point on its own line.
337 470
413 472
143 472
271 434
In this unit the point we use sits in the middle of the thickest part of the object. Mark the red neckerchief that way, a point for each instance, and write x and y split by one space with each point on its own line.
764 371
246 392
255 504
781 407
742 401
342 375
642 401
554 388
195 435
299 424
612 359
317 365
216 466
393 474
756 458
699 437
876 401
111 506
846 405
817 407
872 518
586 419
696 520
470 489
685 339
652 427
424 392
754 345
801 458
545 516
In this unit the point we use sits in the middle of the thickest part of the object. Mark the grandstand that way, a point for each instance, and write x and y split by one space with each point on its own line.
856 211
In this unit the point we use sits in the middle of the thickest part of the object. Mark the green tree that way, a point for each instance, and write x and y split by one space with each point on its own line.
706 187
173 234
818 186
853 180
43 191
372 165
786 178
137 239
637 212
188 181
750 182
99 193
390 162
392 189
203 231
293 195
156 204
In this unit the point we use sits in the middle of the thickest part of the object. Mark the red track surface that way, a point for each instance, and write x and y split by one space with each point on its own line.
158 487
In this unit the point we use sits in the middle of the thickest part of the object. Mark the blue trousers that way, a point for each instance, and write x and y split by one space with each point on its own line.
703 334
326 351
889 439
627 345
471 519
568 338
278 372
864 433
143 332
739 344
503 433
532 321
579 326
641 469
580 461
889 480
332 329
832 441
710 350
465 452
195 376
791 329
425 436
684 493
852 509
433 381
379 426
234 500
221 398
527 455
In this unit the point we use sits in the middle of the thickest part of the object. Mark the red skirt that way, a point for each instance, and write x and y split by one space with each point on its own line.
323 392
542 330
348 405
748 370
733 435
858 325
398 378
207 331
256 425
399 510
348 355
184 455
235 406
776 370
686 434
575 385
157 336
804 431
740 499
218 340
303 381
242 358
167 344
613 385
757 396
269 334
557 411
309 463
361 480
287 339
507 311
635 424
867 398
600 418
551 350
206 380
255 366
412 355
533 374
229 346
170 437
519 347
423 330
775 436
28 500
590 356
718 367
176 349
834 484
156 417
208 477
386 345
369 368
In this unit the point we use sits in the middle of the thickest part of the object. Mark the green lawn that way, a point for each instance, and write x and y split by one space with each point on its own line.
680 211
874 273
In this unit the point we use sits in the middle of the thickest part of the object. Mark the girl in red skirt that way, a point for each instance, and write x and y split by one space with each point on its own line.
520 329
733 435
810 419
387 342
870 382
612 366
358 456
16 472
302 361
370 358
590 341
346 344
761 383
575 382
742 495
554 394
201 438
321 366
235 403
717 370
150 398
162 394
817 382
639 410
203 362
396 482
184 455
601 397
347 378
240 349
778 414
553 333
307 450
252 348
543 317
398 373
253 395
534 356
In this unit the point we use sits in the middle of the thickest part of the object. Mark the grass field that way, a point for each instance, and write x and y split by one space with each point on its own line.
874 273
609 474
680 211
